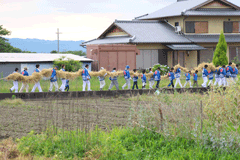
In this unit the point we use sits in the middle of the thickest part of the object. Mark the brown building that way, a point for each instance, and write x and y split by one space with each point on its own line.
185 32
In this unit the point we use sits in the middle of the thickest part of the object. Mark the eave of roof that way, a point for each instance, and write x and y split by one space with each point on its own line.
230 38
213 12
38 57
185 47
110 40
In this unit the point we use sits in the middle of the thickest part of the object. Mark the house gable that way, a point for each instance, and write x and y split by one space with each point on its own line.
115 32
217 4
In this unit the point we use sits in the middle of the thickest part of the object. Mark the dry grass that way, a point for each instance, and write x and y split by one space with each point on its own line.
12 102
8 149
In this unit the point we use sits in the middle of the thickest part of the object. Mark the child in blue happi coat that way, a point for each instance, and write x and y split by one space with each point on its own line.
67 85
135 79
157 76
144 79
195 78
188 77
210 77
235 79
171 77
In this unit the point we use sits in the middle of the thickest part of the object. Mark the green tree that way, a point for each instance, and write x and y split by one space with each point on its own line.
4 45
70 64
53 51
220 55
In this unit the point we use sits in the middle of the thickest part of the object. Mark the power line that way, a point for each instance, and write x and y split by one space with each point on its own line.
58 37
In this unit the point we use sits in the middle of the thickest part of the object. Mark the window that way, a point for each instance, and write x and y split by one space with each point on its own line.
231 27
228 27
190 27
196 27
234 53
176 24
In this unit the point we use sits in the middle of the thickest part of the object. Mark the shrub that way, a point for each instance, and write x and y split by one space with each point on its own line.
164 69
220 55
70 64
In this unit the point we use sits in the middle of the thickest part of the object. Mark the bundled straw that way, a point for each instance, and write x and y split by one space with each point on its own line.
46 72
36 76
182 68
15 76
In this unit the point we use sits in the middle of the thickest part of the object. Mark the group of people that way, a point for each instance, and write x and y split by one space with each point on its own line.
53 81
156 77
224 76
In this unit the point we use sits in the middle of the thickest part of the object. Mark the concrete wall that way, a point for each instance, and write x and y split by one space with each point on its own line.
170 58
178 19
9 68
191 60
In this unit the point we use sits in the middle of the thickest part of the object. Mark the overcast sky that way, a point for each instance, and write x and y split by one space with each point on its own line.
76 19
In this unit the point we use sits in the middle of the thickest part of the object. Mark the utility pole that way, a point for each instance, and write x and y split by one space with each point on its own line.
58 37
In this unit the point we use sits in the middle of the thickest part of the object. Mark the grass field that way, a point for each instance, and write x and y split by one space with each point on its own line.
76 85
165 126
189 126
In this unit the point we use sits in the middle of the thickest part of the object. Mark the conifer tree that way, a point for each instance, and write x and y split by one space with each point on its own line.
220 55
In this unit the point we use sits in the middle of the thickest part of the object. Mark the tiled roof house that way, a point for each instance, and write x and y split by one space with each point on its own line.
185 32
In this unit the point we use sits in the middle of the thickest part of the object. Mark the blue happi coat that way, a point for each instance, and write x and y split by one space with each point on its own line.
222 72
25 73
229 71
210 73
157 75
187 76
113 78
195 77
205 72
144 79
171 76
53 76
126 74
178 73
85 74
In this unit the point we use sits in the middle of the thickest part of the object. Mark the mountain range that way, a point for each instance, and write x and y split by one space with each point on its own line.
45 46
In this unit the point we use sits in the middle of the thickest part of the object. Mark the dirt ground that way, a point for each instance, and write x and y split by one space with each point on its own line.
71 114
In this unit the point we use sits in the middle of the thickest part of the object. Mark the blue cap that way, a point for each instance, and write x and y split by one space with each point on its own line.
127 67
57 67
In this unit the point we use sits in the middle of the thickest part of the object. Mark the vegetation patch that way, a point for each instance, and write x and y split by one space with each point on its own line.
120 143
12 102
